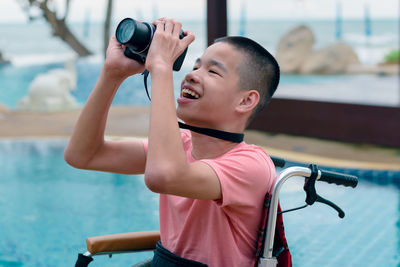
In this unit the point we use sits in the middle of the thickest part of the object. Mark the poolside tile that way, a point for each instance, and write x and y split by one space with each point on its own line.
317 238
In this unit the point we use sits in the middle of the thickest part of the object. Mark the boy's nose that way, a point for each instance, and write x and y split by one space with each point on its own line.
192 77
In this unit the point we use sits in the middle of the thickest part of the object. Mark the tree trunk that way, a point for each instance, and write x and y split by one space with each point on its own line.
61 30
107 25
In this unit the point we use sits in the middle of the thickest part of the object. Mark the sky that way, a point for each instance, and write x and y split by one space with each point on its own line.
10 10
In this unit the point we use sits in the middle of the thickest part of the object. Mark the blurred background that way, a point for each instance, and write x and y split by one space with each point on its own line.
32 42
340 81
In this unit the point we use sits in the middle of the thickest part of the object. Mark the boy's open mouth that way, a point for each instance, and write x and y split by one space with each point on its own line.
187 93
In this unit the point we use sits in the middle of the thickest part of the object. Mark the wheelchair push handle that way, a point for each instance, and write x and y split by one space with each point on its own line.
312 174
338 178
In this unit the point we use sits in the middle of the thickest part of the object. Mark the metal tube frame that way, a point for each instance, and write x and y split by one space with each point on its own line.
267 259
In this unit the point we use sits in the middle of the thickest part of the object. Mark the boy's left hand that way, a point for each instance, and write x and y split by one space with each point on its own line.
117 65
166 46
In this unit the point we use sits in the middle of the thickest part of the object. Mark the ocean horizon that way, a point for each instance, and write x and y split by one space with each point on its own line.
32 49
32 43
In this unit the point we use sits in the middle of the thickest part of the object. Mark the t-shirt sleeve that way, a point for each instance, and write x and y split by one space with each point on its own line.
243 175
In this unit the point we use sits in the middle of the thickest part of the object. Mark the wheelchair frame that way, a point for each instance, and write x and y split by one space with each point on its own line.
144 241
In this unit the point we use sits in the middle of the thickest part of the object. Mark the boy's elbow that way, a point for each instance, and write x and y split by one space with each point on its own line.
152 183
73 159
158 180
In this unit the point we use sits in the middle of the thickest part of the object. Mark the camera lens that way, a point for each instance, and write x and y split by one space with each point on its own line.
125 30
137 36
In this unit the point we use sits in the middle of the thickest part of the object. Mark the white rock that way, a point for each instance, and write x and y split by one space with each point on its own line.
51 91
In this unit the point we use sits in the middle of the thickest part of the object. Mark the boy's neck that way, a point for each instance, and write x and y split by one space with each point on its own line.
206 147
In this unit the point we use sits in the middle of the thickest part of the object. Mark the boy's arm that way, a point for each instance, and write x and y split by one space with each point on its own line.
87 148
167 170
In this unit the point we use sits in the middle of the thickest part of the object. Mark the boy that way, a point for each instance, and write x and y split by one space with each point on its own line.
211 190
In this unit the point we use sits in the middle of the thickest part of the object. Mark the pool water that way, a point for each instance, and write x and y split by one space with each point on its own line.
48 209
368 235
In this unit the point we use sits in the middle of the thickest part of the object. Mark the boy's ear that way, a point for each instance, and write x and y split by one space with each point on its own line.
248 101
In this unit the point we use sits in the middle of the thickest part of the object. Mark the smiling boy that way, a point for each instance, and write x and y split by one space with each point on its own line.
211 190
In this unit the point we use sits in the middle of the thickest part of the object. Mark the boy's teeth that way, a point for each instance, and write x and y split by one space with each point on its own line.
190 92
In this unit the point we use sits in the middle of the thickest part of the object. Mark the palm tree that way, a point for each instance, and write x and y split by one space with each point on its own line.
59 25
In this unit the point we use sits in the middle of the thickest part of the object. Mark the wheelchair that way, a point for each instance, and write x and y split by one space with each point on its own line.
271 245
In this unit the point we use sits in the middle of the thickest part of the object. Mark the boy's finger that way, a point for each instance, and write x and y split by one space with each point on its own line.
158 21
160 25
169 26
188 39
177 28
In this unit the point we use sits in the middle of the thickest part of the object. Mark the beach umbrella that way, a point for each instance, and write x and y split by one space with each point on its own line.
367 21
338 20
242 25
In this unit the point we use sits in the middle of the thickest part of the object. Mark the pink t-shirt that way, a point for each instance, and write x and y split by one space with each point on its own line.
221 232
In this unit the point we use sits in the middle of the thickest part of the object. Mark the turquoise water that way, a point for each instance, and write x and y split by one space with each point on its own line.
15 81
357 89
48 209
368 235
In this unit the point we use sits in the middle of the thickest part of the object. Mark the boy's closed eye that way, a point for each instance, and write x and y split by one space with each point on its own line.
210 71
214 72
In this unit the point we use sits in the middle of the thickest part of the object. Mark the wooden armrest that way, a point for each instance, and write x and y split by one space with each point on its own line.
123 242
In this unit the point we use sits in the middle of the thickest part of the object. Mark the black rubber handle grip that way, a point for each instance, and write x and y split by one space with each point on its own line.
278 162
339 178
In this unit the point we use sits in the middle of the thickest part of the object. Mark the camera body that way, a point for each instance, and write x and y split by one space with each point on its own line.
137 37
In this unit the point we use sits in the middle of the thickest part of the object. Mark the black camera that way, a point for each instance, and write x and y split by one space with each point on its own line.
137 37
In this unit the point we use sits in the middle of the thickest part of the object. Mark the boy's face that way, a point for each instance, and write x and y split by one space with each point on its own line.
209 93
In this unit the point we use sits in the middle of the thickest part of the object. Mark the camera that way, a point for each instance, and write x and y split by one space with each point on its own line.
137 37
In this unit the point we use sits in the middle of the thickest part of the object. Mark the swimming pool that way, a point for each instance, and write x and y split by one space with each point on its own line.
48 209
368 235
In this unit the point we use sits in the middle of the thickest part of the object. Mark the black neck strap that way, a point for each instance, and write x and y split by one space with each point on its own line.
227 136
145 76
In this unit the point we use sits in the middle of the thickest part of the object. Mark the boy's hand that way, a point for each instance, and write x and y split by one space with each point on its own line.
117 65
166 46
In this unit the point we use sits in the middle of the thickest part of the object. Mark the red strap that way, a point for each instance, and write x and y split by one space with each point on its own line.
284 258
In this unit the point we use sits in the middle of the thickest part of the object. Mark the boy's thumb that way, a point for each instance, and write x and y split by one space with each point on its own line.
188 38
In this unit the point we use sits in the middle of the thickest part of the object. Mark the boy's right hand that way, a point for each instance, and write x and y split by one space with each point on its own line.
117 65
166 45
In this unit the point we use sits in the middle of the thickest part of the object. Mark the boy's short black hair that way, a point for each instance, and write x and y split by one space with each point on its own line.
259 70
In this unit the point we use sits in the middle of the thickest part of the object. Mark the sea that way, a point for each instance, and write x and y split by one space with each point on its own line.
33 49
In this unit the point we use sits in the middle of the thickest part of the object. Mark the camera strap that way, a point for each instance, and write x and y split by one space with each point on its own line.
227 136
145 76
